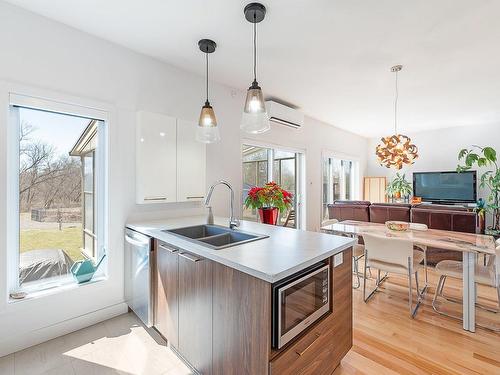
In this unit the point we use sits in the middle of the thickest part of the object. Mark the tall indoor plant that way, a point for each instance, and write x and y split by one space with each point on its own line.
269 200
399 187
485 157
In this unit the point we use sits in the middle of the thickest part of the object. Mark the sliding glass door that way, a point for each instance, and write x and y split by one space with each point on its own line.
261 165
255 173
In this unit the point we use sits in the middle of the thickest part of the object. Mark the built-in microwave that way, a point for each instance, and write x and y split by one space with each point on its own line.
299 301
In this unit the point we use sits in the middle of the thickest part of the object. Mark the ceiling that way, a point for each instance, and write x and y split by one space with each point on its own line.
330 58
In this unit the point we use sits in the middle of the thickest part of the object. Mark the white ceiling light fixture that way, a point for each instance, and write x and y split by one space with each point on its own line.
255 119
207 131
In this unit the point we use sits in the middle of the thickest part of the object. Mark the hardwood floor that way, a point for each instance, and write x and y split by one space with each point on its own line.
388 341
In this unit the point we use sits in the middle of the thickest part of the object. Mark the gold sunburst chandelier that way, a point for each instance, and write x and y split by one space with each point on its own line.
396 150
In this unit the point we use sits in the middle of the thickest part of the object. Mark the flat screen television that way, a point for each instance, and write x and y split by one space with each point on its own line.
446 187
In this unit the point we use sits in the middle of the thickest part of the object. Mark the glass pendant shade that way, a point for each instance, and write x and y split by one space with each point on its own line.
255 119
207 131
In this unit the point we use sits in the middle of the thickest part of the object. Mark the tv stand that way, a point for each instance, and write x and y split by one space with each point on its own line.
447 203
469 206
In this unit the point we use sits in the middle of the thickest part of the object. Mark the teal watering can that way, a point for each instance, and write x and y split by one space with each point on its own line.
84 270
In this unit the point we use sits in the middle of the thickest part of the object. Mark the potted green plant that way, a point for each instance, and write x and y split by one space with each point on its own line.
399 187
485 157
269 200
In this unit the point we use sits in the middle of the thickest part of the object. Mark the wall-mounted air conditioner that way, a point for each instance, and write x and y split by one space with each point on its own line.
283 115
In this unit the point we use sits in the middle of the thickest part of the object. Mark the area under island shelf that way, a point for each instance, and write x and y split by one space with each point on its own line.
215 307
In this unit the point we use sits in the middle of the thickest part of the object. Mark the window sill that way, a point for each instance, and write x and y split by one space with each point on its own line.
61 285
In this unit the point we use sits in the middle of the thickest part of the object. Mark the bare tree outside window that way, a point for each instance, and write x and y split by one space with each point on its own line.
50 193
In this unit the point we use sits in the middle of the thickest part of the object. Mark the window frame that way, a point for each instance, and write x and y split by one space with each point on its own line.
41 100
355 177
85 230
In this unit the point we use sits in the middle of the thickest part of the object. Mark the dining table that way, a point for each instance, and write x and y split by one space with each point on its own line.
469 244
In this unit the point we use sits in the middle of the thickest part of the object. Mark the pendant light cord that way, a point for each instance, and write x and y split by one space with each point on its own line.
254 47
206 54
396 106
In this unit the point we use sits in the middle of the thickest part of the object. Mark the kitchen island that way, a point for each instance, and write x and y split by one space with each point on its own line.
217 307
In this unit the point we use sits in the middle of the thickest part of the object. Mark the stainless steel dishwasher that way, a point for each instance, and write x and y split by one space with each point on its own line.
138 285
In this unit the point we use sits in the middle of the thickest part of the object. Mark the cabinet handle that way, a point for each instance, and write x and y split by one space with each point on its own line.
301 353
195 197
155 198
190 257
169 249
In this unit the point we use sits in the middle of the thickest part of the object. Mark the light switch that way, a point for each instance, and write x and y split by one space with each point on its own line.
338 259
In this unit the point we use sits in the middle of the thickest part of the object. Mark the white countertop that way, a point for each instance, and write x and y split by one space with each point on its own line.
283 253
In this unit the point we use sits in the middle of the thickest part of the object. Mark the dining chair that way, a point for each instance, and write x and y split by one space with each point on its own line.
290 218
421 227
329 222
358 251
488 275
393 255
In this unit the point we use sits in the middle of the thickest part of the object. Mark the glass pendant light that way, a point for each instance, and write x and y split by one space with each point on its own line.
255 118
207 131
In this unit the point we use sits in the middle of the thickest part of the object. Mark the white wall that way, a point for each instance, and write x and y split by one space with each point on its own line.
37 52
438 149
62 62
314 138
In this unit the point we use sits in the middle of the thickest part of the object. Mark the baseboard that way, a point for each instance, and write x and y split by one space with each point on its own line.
14 344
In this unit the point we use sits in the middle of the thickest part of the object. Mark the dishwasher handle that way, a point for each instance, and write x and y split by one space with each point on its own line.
137 239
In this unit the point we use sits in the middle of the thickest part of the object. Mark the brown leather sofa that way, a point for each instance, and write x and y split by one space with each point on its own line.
382 212
349 210
453 218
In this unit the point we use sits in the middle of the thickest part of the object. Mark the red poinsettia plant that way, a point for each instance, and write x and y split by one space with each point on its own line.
271 195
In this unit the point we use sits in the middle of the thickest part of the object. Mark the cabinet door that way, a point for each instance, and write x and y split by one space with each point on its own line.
374 189
167 298
191 163
195 311
156 154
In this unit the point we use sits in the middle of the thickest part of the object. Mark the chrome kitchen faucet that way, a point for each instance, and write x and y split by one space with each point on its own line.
233 222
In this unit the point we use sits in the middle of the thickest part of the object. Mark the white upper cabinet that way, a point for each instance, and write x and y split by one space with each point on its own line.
191 163
156 158
170 163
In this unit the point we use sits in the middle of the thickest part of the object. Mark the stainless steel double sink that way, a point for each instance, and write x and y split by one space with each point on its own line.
215 236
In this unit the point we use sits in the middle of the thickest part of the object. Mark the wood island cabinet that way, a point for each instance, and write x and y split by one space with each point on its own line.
166 314
321 348
219 319
195 311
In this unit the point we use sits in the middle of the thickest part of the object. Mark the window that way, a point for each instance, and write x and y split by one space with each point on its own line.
61 194
340 181
284 166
